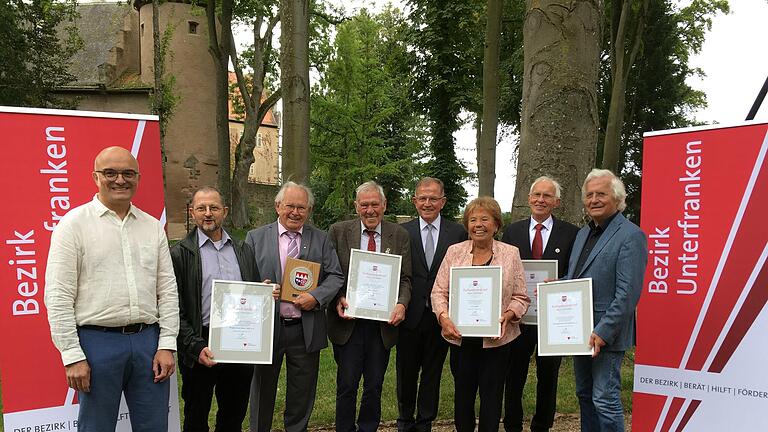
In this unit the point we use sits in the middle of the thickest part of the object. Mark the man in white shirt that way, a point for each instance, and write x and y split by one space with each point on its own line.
112 302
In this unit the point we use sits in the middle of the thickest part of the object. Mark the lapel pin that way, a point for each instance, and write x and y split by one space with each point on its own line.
557 250
386 251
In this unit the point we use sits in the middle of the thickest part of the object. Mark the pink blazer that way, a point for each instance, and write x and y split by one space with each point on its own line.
514 295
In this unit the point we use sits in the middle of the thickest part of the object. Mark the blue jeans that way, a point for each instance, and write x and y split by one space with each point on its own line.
598 387
122 364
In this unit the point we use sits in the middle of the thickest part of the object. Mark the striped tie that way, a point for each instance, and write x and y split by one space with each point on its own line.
293 245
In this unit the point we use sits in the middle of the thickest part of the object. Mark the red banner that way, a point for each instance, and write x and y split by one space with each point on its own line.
702 317
47 171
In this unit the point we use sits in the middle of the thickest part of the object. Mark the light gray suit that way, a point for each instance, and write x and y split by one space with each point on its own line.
616 265
302 362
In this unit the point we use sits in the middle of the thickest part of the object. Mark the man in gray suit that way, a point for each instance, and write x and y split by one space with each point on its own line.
613 252
300 329
360 346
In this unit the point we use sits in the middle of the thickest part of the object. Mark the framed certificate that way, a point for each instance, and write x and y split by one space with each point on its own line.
536 271
373 285
565 317
242 322
474 302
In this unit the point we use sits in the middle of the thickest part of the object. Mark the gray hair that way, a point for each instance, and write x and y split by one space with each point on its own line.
558 189
370 186
617 186
290 184
429 180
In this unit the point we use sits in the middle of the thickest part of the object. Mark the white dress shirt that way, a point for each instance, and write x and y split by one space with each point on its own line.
544 232
109 272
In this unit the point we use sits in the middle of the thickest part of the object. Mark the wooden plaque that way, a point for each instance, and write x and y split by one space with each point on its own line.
299 277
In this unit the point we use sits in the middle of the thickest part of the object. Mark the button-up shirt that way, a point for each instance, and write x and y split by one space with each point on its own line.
287 309
218 261
545 232
435 232
364 237
109 272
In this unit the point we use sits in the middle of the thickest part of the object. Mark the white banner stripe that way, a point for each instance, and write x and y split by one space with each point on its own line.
137 137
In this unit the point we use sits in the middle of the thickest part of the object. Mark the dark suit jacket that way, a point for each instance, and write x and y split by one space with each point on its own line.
394 239
423 278
617 267
558 247
315 247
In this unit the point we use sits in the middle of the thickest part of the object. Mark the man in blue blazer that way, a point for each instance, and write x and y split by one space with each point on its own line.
300 327
613 252
421 350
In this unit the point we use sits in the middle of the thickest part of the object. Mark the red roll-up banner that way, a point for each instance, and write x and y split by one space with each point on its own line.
46 171
702 321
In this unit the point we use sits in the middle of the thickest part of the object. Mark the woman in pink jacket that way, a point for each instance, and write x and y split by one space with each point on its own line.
481 363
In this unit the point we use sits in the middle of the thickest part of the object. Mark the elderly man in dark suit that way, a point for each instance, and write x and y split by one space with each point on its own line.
360 346
421 348
300 327
613 252
541 236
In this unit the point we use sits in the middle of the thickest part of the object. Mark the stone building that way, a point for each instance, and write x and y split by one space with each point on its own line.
115 74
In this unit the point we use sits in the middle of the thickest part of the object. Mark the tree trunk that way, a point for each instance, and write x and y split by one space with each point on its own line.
621 65
486 147
294 80
560 121
158 71
219 49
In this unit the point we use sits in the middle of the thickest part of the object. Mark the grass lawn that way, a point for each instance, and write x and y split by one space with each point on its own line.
323 414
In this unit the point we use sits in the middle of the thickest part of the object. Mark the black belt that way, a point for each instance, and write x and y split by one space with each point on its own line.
290 321
128 329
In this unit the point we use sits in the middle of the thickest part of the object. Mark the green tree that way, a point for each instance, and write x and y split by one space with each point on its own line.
38 41
364 125
447 37
657 95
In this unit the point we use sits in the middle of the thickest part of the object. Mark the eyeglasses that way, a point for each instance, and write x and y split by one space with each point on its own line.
111 174
207 208
431 200
291 208
546 196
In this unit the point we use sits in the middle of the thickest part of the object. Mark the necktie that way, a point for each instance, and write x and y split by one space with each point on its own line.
371 240
429 246
287 309
293 245
537 249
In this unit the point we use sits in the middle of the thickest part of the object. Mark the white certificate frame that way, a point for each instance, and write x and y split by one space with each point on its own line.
454 293
360 257
575 288
227 320
549 266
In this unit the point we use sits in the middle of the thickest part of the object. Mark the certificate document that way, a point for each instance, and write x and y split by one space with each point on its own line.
474 300
536 272
242 322
565 318
373 285
374 280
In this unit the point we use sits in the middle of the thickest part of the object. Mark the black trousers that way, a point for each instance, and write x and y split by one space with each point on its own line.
476 368
301 382
232 384
364 356
420 350
547 370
